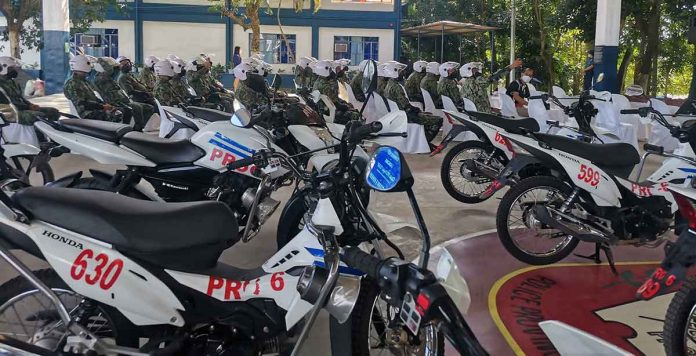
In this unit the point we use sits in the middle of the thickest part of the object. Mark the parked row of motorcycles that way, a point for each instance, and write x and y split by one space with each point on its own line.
570 185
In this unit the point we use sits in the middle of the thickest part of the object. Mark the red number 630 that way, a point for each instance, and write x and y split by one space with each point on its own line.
106 277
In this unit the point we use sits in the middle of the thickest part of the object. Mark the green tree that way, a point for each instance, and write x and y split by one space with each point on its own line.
24 21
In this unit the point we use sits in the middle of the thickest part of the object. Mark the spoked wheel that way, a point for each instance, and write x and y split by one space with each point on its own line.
376 329
522 233
679 331
459 181
21 169
28 315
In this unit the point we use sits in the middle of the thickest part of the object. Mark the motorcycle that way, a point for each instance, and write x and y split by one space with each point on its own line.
587 196
469 169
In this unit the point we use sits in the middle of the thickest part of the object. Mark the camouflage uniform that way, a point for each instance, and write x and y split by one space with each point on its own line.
165 92
206 87
15 96
249 97
134 88
413 88
429 83
381 85
301 77
448 87
476 89
329 87
431 123
113 94
82 94
148 77
356 85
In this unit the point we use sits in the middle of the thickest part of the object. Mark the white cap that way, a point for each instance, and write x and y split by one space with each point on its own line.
467 70
241 70
164 67
81 63
392 69
304 62
323 68
8 62
433 67
418 66
445 67
150 61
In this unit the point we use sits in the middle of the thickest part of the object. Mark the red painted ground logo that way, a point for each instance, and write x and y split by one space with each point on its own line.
586 296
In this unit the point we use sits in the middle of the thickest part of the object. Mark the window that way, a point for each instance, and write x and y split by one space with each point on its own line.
274 49
356 48
97 42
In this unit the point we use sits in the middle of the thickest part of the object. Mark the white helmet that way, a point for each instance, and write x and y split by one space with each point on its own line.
7 63
363 64
467 70
419 66
150 61
380 69
241 70
433 67
81 63
343 62
122 58
304 62
392 69
445 67
98 67
164 67
322 68
179 64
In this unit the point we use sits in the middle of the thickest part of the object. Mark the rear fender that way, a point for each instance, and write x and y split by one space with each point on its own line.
68 181
144 192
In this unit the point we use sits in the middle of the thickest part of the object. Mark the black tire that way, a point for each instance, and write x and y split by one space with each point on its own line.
361 320
677 317
503 213
447 166
126 334
290 222
21 164
99 184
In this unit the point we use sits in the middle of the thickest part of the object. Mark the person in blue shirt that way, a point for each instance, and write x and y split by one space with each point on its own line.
588 71
237 58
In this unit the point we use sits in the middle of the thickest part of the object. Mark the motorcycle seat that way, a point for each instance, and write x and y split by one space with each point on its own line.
184 236
104 130
606 155
210 115
509 125
162 150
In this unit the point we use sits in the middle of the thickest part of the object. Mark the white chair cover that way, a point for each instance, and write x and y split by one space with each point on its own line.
415 104
673 109
659 135
352 99
448 104
18 133
507 105
429 104
153 123
342 93
331 106
393 106
415 142
620 102
537 111
531 88
380 105
558 92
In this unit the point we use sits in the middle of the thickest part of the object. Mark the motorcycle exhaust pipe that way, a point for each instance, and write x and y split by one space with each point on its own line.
343 297
481 169
544 216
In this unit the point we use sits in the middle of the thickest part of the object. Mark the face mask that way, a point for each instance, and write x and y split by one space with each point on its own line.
476 74
126 68
12 73
526 78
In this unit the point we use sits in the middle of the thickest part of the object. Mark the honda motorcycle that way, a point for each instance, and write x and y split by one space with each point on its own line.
587 196
469 169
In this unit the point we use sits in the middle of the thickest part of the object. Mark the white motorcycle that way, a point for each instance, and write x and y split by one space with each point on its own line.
588 196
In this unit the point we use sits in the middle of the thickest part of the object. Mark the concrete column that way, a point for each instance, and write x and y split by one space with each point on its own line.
607 44
56 44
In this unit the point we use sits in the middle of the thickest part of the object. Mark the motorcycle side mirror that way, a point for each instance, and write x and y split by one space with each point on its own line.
277 81
369 82
242 118
388 171
600 77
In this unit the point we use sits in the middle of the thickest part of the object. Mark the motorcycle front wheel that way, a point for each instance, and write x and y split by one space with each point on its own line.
371 333
522 234
461 183
679 331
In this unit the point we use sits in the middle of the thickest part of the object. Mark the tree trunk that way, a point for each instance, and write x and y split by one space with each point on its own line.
252 11
13 33
650 31
623 68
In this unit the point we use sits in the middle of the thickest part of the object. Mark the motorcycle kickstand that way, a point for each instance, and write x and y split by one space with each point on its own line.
596 257
610 258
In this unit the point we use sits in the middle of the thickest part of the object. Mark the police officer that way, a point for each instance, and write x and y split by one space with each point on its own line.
147 75
9 69
83 95
251 91
412 84
341 68
205 86
181 87
429 82
356 82
327 84
302 75
381 79
165 90
396 93
111 93
447 86
476 87
131 84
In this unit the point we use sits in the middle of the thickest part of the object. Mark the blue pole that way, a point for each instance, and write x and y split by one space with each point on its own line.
56 44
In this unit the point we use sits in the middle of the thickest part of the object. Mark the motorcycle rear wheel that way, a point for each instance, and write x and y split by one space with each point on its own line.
458 186
679 331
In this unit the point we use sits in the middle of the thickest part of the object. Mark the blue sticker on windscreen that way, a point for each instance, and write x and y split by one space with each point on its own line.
385 169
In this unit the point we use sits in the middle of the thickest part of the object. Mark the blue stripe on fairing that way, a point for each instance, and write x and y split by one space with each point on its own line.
317 252
228 148
234 143
688 170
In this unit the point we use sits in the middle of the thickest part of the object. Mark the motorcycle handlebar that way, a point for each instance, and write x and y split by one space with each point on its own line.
241 163
362 131
629 111
357 258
